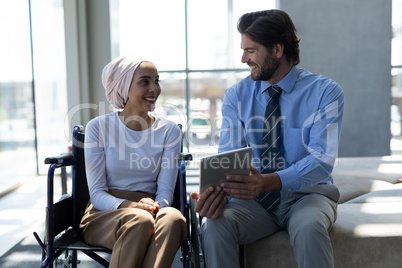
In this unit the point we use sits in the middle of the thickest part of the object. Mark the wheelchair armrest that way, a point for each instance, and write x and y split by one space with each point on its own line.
65 160
186 156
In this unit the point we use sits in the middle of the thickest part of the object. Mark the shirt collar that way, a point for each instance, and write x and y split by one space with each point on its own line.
287 83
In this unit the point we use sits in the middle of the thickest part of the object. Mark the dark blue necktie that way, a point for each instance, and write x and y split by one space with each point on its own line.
271 144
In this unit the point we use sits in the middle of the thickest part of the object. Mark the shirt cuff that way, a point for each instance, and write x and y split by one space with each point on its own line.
289 178
118 203
163 201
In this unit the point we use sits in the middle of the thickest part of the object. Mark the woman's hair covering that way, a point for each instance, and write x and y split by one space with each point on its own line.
116 79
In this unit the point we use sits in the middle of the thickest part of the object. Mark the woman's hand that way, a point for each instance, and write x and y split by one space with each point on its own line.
147 204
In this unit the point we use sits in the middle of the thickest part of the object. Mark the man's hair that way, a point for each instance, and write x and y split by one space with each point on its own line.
270 27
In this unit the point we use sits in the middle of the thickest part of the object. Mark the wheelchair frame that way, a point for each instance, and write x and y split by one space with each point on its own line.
62 234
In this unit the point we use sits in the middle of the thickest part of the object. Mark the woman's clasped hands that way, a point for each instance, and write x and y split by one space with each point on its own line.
147 204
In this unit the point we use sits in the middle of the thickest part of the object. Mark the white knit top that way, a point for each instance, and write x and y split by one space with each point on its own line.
117 157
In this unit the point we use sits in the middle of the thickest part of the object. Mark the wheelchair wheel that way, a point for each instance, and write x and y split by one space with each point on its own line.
196 256
64 260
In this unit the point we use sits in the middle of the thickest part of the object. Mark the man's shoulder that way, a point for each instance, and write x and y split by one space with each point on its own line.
314 77
319 85
245 86
317 80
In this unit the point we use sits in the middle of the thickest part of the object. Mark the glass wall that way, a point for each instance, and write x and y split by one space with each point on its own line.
195 45
17 131
50 78
32 87
196 48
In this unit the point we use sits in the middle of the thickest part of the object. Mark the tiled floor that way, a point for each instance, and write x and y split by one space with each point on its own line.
22 212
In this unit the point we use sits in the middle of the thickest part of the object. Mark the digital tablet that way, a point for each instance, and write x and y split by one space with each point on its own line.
214 168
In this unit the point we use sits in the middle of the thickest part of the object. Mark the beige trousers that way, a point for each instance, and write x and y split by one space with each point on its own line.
135 236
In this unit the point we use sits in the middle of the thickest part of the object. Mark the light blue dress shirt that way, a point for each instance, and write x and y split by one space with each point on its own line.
311 110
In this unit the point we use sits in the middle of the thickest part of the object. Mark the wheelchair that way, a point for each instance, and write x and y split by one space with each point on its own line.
63 239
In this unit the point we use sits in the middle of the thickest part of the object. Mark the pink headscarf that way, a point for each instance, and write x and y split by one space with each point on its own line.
116 79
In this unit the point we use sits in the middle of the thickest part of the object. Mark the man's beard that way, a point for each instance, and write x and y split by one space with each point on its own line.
269 67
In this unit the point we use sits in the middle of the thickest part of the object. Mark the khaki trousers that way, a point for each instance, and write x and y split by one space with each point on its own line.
135 236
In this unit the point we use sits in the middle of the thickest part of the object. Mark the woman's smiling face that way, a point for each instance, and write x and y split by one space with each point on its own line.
144 89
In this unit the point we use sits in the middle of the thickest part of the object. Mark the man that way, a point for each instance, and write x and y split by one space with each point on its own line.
299 180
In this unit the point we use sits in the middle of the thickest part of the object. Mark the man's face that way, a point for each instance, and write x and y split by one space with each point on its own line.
263 63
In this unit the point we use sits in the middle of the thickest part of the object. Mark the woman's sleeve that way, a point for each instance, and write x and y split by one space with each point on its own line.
95 164
167 177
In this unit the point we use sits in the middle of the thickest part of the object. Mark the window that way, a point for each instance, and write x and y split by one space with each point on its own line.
49 79
32 87
17 132
196 48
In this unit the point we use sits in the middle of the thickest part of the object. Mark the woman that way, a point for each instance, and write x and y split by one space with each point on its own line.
131 165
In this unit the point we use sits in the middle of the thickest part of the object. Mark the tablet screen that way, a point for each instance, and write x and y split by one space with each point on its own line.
214 168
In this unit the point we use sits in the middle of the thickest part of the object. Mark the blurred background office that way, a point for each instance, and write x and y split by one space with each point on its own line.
52 53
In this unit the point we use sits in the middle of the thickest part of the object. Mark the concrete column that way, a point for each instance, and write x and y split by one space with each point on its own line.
88 50
350 42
